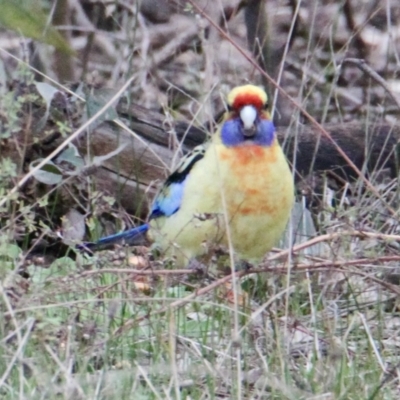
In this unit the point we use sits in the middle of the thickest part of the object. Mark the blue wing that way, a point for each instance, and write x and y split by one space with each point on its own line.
169 198
166 203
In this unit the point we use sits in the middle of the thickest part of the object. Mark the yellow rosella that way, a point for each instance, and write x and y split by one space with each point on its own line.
238 188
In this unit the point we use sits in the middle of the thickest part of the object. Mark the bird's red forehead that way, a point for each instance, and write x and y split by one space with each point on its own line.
246 99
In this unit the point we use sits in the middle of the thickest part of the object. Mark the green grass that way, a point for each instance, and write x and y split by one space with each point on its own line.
76 335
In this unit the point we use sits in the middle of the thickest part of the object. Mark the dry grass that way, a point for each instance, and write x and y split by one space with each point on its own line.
318 322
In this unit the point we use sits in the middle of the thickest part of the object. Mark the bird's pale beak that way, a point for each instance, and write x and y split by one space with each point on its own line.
248 115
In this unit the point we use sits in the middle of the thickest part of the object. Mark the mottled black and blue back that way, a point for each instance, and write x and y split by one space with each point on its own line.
169 199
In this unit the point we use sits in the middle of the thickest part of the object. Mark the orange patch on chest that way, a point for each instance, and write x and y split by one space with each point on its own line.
254 185
248 154
259 205
261 209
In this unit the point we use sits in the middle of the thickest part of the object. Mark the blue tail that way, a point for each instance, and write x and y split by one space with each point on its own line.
135 236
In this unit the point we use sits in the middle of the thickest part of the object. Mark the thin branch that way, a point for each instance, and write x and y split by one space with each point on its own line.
364 67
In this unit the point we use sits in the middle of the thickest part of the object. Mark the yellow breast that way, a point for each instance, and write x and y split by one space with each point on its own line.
259 197
248 188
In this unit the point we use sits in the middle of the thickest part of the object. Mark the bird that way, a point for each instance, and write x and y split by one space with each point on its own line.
236 190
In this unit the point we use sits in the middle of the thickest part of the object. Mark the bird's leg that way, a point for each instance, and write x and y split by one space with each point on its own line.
223 260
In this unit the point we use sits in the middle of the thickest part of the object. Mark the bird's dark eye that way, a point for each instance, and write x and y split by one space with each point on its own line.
265 106
229 107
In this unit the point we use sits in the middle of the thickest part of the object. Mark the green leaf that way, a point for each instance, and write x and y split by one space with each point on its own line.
26 18
73 227
48 92
95 100
48 174
61 267
10 250
71 156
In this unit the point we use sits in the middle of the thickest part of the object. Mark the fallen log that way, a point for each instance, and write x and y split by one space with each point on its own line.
148 155
151 144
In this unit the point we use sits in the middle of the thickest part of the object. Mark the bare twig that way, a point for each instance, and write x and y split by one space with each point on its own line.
355 30
329 237
364 67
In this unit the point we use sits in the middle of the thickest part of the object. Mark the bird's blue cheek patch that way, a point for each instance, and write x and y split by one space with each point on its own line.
232 133
168 200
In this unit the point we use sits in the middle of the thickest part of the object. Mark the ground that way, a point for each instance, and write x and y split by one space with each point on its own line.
319 321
